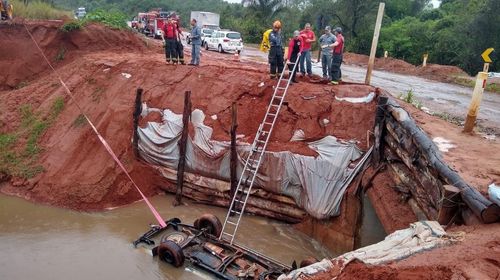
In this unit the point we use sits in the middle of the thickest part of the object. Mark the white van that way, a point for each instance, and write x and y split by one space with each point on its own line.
224 41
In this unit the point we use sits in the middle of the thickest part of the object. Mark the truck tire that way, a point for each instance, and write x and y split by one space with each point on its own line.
210 223
171 253
220 49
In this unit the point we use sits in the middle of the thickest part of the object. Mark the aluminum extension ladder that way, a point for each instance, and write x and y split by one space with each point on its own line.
253 161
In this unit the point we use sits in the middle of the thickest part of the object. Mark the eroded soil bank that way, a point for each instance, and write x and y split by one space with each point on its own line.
50 155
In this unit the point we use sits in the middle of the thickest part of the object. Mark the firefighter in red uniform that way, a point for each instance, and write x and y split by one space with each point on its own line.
179 47
170 40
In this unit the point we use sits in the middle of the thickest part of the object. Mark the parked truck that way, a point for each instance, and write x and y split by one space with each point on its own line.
206 19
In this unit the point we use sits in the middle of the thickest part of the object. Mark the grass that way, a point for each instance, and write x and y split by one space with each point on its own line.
409 98
19 150
38 10
80 121
60 55
72 25
467 82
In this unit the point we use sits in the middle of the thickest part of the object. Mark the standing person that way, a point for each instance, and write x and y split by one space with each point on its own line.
305 58
169 34
295 47
179 47
338 52
276 52
195 43
326 42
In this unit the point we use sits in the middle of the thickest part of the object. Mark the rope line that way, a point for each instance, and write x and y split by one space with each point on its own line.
103 141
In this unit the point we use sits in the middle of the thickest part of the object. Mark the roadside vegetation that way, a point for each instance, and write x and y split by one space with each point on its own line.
38 10
19 150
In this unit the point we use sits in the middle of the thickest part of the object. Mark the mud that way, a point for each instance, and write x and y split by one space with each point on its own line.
79 174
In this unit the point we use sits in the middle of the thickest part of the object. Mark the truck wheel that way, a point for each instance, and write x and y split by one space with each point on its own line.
209 222
308 261
172 253
206 46
220 49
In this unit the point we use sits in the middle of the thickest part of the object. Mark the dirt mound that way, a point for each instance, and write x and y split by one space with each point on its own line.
442 73
20 56
73 169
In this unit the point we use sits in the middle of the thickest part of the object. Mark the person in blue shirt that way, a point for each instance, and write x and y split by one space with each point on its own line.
276 52
195 43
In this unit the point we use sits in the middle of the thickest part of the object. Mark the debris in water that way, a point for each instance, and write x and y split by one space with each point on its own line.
126 75
490 137
308 97
444 145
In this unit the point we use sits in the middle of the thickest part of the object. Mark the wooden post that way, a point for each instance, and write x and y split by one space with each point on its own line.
234 155
182 147
424 63
477 95
135 115
373 51
378 130
449 208
386 54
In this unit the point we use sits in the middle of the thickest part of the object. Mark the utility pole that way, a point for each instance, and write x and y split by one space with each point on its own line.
373 51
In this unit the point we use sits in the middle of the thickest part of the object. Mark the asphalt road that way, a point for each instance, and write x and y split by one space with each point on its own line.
436 96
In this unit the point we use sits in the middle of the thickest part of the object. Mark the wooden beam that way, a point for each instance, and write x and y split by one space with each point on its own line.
234 155
136 115
182 147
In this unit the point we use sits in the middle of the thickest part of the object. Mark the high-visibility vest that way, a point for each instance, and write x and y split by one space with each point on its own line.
265 45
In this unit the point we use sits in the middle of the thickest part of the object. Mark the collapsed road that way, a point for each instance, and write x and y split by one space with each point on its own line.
104 79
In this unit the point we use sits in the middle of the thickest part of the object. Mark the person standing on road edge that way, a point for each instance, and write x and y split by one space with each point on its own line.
338 52
295 47
305 58
195 43
276 52
179 47
169 34
326 42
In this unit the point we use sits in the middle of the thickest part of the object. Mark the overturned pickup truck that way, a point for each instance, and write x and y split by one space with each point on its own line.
200 245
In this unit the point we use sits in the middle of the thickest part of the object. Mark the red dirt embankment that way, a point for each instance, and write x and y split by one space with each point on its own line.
78 172
442 73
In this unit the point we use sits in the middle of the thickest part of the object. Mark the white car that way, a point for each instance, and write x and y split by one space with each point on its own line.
224 41
205 32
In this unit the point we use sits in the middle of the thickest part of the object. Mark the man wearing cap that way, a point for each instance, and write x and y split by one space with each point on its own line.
309 38
295 47
338 52
326 42
276 53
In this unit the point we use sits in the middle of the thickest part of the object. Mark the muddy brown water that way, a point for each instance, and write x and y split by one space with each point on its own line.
42 242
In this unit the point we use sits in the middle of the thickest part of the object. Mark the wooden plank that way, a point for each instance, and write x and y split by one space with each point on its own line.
373 51
234 155
136 114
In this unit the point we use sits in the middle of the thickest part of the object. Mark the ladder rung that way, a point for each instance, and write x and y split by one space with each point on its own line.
227 234
260 141
268 123
271 114
229 222
278 96
281 87
275 105
236 212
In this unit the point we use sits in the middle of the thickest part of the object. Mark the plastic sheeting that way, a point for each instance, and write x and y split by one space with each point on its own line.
315 183
420 236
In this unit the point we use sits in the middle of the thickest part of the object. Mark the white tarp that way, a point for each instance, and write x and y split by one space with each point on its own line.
420 236
316 184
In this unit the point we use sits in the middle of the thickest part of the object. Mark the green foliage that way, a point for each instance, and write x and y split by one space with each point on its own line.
60 54
72 25
19 150
79 121
111 19
38 10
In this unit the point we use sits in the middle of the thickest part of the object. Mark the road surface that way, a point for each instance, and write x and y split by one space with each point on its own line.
438 97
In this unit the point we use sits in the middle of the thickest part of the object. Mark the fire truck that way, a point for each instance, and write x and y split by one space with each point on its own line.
151 23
